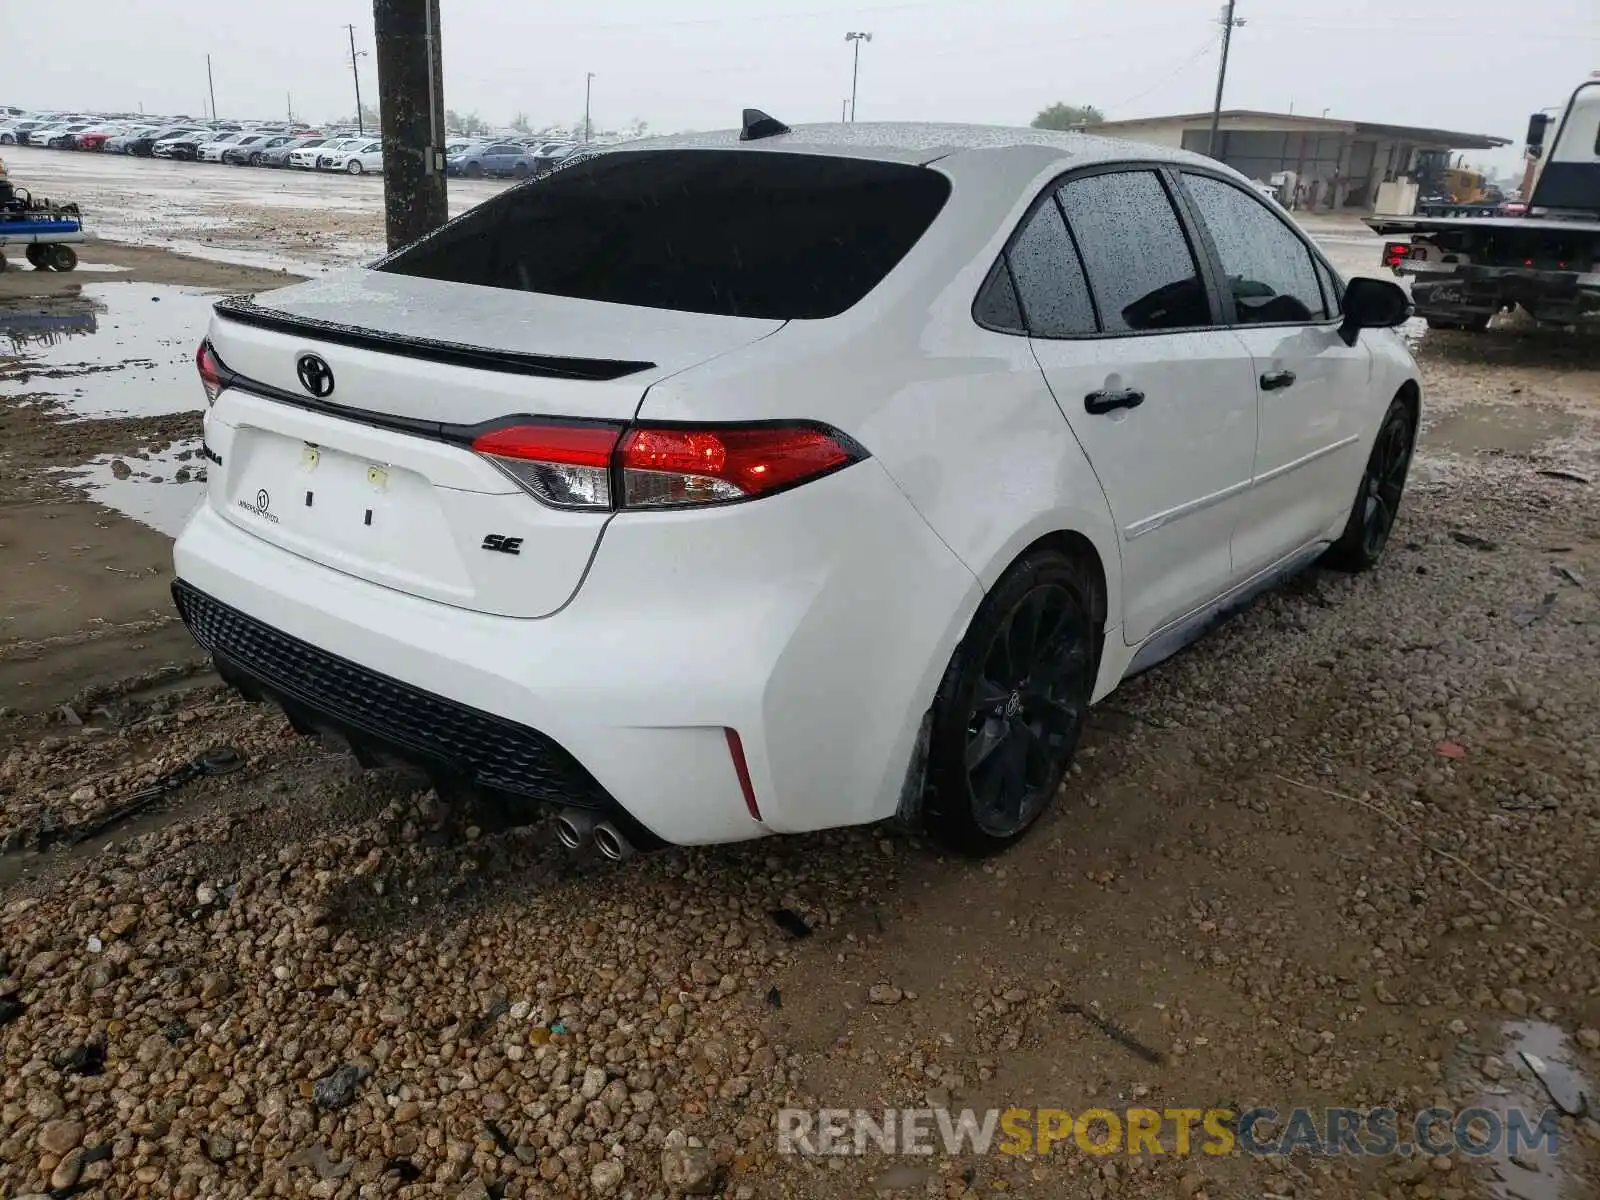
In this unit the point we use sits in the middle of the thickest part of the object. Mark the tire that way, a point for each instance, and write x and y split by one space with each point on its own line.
2 264
1010 709
1377 501
7 139
255 160
62 257
38 257
474 171
354 166
520 170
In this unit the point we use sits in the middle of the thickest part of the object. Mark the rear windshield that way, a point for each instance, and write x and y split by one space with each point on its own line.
735 233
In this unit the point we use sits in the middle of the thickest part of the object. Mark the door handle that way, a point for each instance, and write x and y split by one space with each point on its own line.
1104 402
1273 380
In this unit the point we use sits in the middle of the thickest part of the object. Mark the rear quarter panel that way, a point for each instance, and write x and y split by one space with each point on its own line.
959 416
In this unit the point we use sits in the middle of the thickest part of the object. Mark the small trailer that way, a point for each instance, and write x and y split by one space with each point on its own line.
46 230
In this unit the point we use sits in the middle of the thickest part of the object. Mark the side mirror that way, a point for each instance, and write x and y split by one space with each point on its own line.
1537 125
1373 304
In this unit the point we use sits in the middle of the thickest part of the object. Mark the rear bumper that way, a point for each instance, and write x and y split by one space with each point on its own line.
816 624
320 691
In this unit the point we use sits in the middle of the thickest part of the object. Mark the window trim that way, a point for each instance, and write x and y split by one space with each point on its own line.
1204 265
1330 303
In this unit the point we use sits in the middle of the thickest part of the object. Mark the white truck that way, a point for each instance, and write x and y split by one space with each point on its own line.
1545 259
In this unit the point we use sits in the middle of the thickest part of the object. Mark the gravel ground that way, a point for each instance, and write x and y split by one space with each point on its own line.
1328 856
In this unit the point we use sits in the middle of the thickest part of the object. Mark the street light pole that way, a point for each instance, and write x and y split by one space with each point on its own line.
588 83
1229 21
855 70
356 74
211 87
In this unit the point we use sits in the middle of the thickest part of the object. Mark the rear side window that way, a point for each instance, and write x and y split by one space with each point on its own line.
1050 283
1139 262
1268 268
740 233
997 306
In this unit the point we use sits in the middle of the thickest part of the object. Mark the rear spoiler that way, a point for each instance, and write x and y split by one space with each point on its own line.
245 311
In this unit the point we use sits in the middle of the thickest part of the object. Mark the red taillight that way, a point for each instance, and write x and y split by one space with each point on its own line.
573 464
1395 253
667 467
213 375
565 465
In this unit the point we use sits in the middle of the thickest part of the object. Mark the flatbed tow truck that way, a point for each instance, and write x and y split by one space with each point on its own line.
1546 261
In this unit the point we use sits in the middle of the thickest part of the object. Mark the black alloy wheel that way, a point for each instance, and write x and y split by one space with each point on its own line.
1377 503
1011 709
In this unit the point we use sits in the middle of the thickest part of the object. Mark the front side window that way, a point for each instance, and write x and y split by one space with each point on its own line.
1139 264
1269 270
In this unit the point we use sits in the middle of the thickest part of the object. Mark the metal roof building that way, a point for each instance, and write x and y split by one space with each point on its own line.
1336 163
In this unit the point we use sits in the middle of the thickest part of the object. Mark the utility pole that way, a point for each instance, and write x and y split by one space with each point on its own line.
290 97
211 87
844 110
354 56
855 71
411 104
588 84
1229 21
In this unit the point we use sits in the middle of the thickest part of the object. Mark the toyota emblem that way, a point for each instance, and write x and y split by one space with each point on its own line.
316 376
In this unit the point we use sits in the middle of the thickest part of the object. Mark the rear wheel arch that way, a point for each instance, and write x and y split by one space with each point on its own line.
1075 546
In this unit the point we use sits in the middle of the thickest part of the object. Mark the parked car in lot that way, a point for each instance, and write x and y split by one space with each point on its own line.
58 137
306 157
364 155
252 147
550 155
278 156
183 146
120 143
711 488
212 149
16 131
95 137
496 158
144 144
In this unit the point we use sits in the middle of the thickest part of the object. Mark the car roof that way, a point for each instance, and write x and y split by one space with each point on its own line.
917 142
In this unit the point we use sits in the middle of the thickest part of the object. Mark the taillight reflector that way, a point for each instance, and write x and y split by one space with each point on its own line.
574 464
213 375
564 465
668 467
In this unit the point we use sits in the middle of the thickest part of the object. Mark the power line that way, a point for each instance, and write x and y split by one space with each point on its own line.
1168 74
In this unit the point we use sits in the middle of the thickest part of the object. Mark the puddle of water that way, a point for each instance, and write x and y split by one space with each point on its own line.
70 317
1507 428
1540 1073
160 490
112 350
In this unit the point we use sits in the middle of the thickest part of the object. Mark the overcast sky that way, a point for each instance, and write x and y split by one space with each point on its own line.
1474 65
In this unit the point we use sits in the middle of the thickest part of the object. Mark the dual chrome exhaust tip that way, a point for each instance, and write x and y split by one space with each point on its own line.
577 827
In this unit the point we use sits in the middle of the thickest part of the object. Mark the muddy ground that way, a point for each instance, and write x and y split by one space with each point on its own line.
1345 851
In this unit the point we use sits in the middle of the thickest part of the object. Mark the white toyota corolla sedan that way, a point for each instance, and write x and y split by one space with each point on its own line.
753 483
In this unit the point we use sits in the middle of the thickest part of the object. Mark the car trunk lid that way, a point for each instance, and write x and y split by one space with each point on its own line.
370 470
